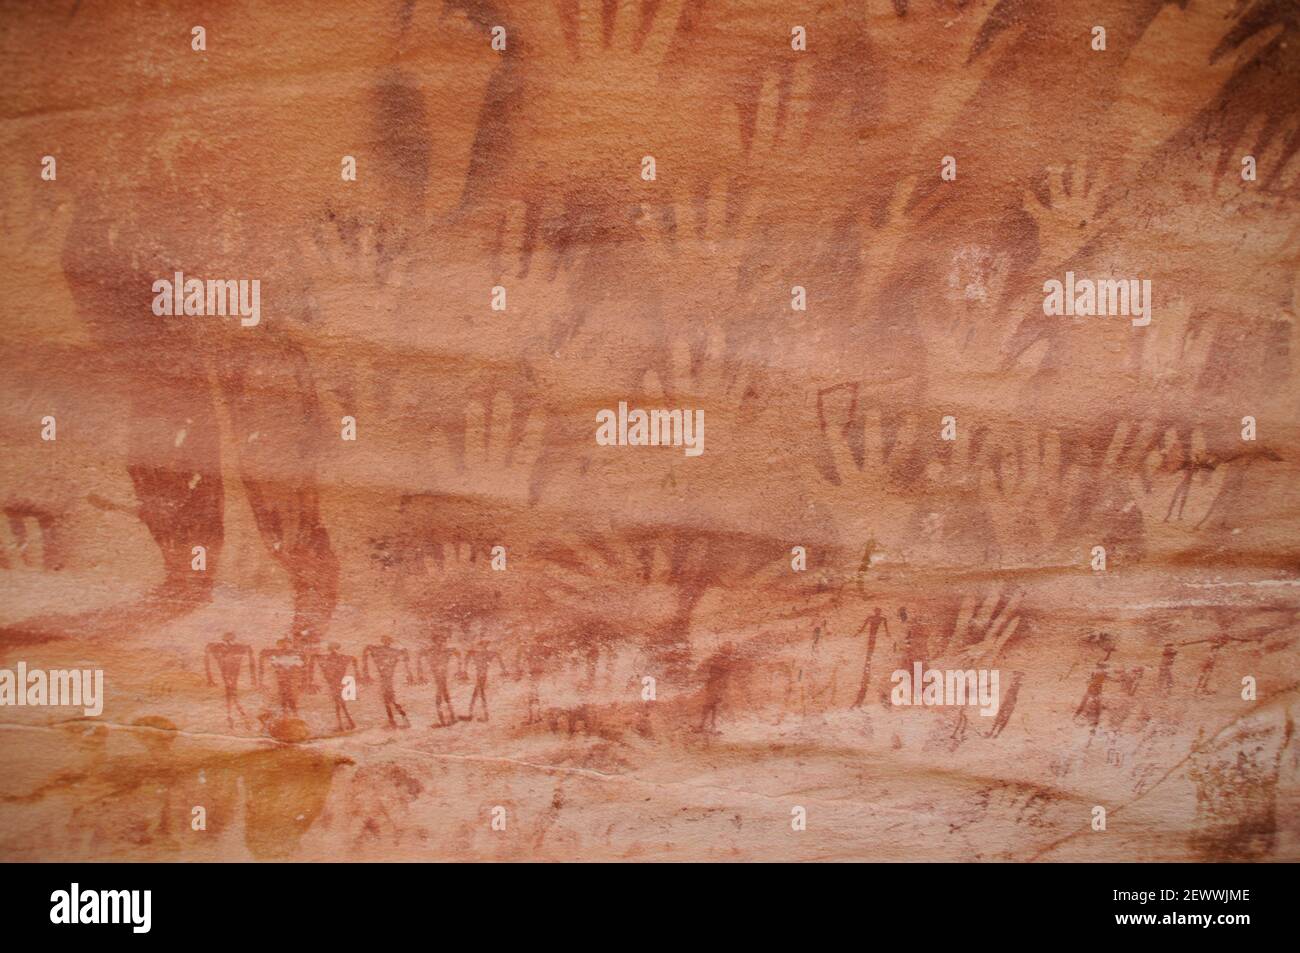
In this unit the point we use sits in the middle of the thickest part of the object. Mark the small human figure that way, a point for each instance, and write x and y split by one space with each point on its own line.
959 729
534 665
290 669
439 656
1090 707
1192 464
718 670
1166 677
591 659
1089 710
386 660
872 624
1217 644
1007 706
230 659
334 668
481 657
915 647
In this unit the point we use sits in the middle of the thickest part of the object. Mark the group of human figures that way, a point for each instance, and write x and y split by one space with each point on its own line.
912 646
1119 683
294 667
